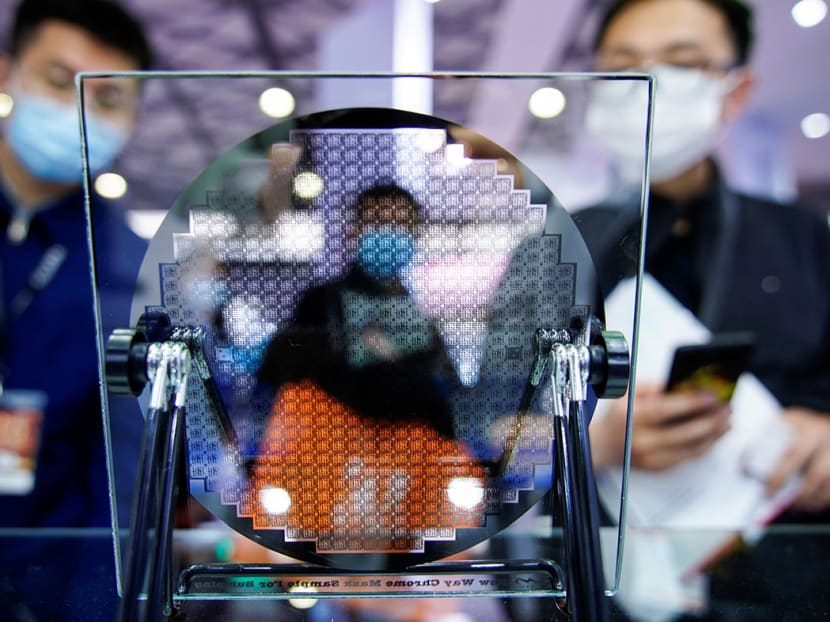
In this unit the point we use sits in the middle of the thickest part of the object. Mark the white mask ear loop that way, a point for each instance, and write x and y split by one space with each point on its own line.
726 86
730 82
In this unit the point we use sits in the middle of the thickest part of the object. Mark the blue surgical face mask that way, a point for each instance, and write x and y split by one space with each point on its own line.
45 137
384 251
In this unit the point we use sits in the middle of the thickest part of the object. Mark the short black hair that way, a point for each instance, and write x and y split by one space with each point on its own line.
388 193
737 14
105 20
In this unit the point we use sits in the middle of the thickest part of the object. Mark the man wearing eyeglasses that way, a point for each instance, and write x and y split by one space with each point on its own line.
48 361
53 472
737 263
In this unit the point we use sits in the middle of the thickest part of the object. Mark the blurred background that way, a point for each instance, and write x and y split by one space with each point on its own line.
786 126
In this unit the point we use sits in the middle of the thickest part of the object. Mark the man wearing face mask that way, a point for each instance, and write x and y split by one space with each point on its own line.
361 337
738 263
48 354
47 325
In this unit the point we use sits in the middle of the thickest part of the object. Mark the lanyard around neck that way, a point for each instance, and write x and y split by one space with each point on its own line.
40 278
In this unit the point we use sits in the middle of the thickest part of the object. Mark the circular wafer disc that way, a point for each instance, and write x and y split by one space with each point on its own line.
369 282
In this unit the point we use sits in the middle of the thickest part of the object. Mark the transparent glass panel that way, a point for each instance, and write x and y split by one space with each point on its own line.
361 286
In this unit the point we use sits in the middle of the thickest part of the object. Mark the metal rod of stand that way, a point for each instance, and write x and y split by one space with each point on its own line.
131 362
161 588
160 592
144 504
575 484
564 498
589 572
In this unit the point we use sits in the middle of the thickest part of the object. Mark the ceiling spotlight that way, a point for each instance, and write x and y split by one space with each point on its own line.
276 102
110 185
546 103
809 13
816 125
6 104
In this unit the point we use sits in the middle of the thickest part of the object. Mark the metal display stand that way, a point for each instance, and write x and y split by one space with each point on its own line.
167 365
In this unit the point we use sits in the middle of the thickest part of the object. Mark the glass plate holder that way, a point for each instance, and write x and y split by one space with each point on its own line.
130 364
168 364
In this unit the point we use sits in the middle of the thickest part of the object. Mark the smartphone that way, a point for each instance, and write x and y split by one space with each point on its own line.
713 366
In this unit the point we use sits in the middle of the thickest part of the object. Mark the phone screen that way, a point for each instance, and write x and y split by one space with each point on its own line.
713 366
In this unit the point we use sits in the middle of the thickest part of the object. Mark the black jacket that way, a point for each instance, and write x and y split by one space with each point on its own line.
370 348
739 264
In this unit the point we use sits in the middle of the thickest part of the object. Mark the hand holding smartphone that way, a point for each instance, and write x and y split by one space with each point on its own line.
713 366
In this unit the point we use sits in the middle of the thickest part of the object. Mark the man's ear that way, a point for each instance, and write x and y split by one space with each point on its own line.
735 101
5 70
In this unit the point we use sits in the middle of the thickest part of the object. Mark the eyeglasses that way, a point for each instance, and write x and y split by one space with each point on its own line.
672 81
112 98
681 57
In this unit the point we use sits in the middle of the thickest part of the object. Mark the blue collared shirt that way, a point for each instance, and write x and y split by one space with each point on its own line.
51 347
